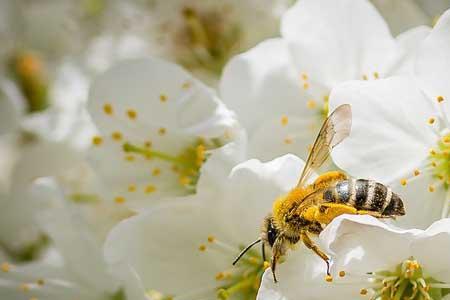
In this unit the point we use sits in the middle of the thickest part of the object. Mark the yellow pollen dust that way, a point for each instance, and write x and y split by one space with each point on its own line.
108 109
156 171
162 98
211 239
431 188
202 248
5 267
431 120
117 136
97 140
341 273
150 189
132 188
130 158
284 120
363 292
440 99
416 172
311 104
119 200
403 182
162 131
132 114
364 77
328 278
266 265
376 75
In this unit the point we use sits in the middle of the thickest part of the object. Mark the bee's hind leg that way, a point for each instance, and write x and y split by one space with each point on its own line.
310 244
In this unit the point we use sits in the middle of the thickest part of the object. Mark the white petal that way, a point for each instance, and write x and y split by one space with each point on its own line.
333 41
11 107
354 240
390 135
433 62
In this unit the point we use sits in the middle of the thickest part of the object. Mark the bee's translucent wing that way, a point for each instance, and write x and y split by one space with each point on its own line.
335 129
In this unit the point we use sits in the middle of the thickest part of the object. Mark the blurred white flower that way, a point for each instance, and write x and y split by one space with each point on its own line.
401 130
280 88
185 249
157 126
409 264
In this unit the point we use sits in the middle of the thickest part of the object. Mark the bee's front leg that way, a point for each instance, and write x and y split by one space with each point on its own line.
278 249
310 244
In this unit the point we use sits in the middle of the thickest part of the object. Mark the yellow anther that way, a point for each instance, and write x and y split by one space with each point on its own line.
311 104
305 85
413 265
132 188
365 77
132 114
284 120
186 85
363 291
156 171
403 181
148 156
25 287
200 154
446 139
202 248
416 172
148 144
175 169
220 276
266 265
440 99
108 109
304 76
162 98
432 151
40 282
119 200
130 158
211 239
433 164
184 180
222 294
341 273
431 188
288 141
5 267
328 278
150 189
97 140
33 298
117 136
431 120
376 75
162 131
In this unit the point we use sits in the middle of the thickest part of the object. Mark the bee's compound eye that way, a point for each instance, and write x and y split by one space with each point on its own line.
272 233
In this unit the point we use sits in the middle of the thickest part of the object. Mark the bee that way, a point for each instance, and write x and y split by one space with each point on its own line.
308 208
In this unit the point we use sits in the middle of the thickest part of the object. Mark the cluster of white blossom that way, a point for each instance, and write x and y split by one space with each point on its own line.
143 142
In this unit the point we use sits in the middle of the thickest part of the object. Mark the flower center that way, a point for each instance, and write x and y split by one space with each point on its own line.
30 77
206 39
241 281
440 160
186 165
407 281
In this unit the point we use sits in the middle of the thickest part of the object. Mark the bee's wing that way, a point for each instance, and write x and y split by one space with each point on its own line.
335 129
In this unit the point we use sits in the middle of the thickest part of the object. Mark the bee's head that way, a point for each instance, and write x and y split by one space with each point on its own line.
269 232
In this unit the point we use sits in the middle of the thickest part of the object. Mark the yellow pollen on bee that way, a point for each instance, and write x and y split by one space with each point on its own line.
211 239
363 291
116 135
364 77
266 265
342 274
311 104
132 114
202 248
40 282
132 188
148 144
403 181
108 109
156 171
150 189
5 267
163 98
284 120
431 120
162 131
186 85
328 278
119 200
376 75
25 287
305 85
440 99
416 172
97 140
288 141
130 158
431 188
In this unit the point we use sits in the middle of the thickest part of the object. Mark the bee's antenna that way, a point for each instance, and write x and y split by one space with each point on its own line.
263 251
245 250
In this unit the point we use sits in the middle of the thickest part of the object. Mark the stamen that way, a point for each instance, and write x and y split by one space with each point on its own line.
119 200
117 136
156 171
284 120
162 131
363 291
5 267
364 77
150 189
305 86
329 278
97 140
108 109
416 172
341 273
288 141
376 75
311 104
403 182
132 188
132 114
440 99
162 98
431 120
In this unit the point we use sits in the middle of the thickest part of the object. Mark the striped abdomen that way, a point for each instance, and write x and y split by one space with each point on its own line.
364 194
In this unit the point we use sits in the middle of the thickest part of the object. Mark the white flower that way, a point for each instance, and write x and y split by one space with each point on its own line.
76 270
401 130
407 262
280 88
157 126
185 249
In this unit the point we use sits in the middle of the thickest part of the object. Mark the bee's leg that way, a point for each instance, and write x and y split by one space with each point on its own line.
326 179
277 251
263 251
310 244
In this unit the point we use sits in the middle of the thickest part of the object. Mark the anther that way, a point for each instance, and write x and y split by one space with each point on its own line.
342 274
202 248
150 189
328 278
130 158
376 75
416 172
184 180
186 85
119 199
97 140
211 239
403 182
305 85
284 120
304 76
311 104
288 141
156 171
162 131
431 120
440 99
132 114
162 98
364 77
25 287
148 144
108 109
363 291
132 188
117 136
5 267
220 276
432 151
431 188
40 282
